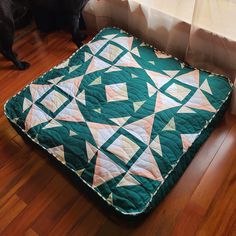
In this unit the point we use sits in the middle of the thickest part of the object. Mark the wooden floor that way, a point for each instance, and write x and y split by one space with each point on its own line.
36 198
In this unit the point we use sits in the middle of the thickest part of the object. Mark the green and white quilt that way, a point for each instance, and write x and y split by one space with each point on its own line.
123 116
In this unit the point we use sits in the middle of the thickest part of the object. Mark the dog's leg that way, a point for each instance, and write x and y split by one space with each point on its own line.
10 55
77 36
82 24
6 43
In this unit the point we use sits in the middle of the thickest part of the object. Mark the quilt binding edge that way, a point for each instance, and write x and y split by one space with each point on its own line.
173 167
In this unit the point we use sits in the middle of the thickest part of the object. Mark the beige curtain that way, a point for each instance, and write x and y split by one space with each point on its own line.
212 41
201 32
158 22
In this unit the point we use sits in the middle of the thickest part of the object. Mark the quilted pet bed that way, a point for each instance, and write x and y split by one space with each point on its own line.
126 118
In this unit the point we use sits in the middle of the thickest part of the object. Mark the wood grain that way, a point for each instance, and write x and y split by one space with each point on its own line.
37 197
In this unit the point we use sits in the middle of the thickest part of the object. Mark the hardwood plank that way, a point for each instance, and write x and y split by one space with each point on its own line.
33 210
16 173
207 188
9 149
13 207
220 218
36 183
11 169
30 232
71 217
56 210
83 227
6 131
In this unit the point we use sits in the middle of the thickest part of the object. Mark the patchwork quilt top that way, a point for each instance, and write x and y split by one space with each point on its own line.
121 115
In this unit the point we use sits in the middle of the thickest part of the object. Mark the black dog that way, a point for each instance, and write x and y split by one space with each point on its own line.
57 14
7 29
49 15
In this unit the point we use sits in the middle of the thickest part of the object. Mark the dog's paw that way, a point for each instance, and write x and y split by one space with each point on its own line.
78 43
23 65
